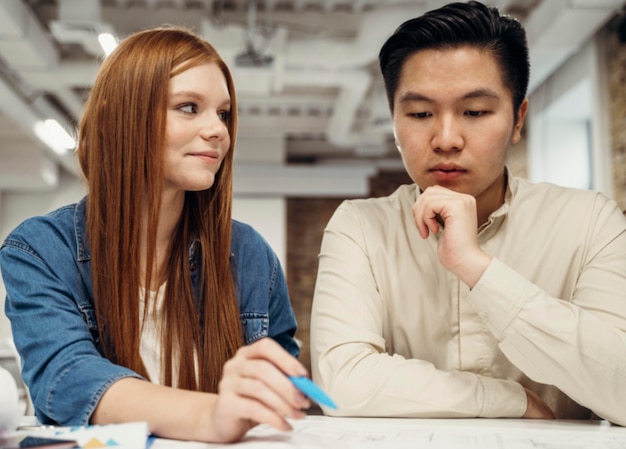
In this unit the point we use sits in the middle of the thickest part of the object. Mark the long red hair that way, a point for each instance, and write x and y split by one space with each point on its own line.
120 150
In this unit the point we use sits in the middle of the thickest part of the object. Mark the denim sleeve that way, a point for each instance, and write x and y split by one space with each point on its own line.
55 337
264 304
282 320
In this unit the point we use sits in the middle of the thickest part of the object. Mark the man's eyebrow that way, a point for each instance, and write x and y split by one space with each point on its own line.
413 96
484 92
478 93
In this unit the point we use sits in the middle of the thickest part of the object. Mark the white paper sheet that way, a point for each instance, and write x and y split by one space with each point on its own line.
367 433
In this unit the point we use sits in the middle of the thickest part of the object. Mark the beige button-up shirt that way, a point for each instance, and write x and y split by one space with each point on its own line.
393 333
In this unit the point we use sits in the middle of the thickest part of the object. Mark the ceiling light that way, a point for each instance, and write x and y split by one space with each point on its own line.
55 136
107 42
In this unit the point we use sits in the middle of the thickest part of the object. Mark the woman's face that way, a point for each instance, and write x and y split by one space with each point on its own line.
197 136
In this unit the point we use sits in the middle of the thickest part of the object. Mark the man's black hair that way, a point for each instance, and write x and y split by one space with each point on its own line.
455 25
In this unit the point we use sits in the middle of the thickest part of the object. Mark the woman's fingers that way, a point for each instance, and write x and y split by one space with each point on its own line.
268 349
261 381
268 363
255 389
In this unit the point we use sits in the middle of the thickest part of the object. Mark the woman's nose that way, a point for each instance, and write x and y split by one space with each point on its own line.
214 128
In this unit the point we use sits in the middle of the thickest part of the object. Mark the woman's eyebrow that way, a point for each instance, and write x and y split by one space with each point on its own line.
187 93
226 103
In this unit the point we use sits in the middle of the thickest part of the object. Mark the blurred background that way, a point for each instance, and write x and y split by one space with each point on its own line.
314 122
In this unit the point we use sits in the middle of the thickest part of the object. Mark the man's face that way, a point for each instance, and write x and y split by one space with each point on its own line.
454 121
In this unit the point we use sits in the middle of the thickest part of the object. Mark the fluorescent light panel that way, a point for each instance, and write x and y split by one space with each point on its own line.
107 42
55 136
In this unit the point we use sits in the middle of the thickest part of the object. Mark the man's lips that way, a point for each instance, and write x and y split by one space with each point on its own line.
447 172
447 168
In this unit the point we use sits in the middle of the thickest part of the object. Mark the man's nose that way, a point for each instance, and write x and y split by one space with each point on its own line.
447 134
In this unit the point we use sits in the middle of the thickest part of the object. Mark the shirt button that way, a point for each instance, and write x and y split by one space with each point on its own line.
482 315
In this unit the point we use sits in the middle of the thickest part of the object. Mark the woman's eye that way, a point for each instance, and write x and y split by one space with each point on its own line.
224 115
188 108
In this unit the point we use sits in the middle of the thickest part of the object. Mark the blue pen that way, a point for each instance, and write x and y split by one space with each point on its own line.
306 386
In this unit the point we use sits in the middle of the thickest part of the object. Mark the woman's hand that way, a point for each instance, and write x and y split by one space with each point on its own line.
254 389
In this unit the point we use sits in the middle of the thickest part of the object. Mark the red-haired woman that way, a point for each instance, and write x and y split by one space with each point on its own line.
145 301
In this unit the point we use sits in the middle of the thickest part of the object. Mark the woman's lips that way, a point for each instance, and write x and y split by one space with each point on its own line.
207 157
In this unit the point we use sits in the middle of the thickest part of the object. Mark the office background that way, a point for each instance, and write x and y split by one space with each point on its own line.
314 122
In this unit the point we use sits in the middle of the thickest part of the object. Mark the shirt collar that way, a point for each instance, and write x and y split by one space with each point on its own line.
497 216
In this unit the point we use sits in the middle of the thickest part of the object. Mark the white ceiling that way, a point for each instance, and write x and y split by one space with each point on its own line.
319 101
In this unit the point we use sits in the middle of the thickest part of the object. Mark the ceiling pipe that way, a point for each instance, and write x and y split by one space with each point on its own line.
335 54
23 42
330 63
326 58
32 173
552 38
67 75
26 46
80 22
353 85
335 63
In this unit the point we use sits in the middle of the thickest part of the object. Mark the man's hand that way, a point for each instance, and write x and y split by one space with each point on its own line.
536 407
453 215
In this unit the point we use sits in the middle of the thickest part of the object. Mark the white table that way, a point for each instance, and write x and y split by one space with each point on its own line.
385 433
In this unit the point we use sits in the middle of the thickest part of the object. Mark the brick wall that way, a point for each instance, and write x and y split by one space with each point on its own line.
306 220
616 60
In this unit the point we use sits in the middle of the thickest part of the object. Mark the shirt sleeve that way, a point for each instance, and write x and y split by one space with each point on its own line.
577 344
61 365
348 351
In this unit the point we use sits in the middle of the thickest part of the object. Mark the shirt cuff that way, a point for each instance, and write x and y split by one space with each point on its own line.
499 296
502 398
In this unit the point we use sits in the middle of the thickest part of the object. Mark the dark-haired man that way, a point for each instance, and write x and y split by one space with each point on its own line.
470 293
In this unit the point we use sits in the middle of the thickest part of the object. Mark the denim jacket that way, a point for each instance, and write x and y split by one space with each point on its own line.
46 270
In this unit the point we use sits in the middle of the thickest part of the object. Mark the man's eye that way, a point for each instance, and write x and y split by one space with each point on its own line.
475 113
188 108
420 114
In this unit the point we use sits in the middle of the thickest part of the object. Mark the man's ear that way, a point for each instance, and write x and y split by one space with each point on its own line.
521 115
395 140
